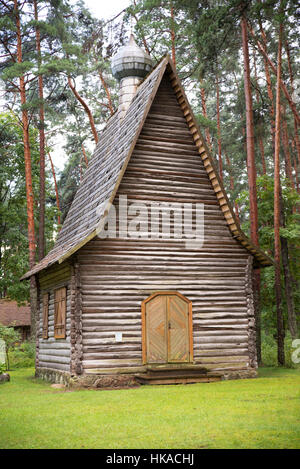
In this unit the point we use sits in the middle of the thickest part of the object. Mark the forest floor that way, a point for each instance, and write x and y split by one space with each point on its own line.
254 413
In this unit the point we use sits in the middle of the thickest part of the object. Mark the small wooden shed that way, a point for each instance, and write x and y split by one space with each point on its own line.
149 306
15 316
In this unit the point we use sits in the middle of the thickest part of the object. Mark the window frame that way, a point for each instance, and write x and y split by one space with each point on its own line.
60 301
45 311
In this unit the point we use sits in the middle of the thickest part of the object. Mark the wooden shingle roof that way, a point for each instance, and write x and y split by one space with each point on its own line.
102 178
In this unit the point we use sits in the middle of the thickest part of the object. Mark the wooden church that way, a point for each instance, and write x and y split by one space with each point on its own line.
149 308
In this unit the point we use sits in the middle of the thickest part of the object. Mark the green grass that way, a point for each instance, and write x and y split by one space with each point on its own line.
258 413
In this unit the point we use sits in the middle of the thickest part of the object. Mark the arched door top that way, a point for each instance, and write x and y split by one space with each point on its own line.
167 293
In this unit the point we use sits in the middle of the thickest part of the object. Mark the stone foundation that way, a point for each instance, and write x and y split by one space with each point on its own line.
103 381
86 381
53 376
240 374
116 381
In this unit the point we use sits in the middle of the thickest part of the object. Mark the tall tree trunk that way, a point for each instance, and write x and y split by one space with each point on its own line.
286 150
292 322
86 109
292 88
251 168
84 156
173 35
104 84
260 140
269 83
204 112
41 243
219 129
277 247
56 188
236 207
296 174
28 174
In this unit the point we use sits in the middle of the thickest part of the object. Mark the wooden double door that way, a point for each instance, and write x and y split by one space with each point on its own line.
167 334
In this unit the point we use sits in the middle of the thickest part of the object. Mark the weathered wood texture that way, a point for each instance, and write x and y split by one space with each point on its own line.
76 322
251 313
118 274
54 353
60 307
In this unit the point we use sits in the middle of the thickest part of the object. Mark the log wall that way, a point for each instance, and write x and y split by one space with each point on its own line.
54 353
118 274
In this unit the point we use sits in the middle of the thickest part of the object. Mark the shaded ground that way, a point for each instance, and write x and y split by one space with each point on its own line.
257 413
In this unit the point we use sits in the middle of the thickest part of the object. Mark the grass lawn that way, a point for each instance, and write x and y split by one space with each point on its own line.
258 413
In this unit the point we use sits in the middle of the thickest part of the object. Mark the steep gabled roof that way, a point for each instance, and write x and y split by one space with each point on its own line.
102 178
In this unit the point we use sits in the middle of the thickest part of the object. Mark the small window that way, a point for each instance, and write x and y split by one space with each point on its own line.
60 307
45 315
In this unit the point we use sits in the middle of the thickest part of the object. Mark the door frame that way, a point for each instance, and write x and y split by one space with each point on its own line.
190 323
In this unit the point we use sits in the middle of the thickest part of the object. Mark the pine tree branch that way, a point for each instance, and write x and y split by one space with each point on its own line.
274 70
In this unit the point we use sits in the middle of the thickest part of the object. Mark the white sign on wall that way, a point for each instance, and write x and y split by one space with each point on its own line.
119 336
2 351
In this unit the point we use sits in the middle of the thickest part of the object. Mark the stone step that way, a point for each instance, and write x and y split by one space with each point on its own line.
178 368
175 373
182 379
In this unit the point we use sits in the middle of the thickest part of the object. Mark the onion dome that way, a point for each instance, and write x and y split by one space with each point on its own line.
131 61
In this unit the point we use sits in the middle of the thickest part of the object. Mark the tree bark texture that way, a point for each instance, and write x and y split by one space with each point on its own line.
41 240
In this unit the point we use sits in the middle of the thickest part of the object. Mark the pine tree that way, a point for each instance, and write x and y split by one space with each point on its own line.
277 202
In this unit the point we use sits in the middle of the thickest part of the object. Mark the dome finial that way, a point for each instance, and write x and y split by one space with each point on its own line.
131 61
129 66
132 39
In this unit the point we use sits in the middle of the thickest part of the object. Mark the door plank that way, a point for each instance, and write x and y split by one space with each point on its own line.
178 330
156 326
